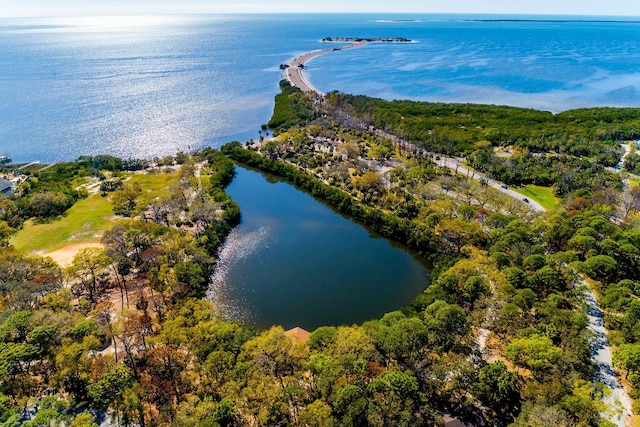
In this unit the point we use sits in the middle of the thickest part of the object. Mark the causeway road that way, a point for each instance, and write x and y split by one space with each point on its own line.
293 73
293 70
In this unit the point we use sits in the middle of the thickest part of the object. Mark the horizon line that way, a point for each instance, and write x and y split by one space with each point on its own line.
579 16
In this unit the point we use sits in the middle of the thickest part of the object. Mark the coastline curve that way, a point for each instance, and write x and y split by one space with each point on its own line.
293 68
293 73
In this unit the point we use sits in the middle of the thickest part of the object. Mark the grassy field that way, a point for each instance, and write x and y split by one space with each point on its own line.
86 220
542 195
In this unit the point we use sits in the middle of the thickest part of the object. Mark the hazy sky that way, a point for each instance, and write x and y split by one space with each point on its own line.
117 7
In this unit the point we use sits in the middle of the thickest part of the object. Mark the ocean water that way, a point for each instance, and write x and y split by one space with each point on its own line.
148 86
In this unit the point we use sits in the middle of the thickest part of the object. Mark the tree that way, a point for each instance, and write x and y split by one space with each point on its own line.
459 232
534 262
541 415
600 267
581 244
545 281
370 184
273 363
447 323
535 352
634 199
163 378
397 401
125 201
191 278
627 356
204 213
10 212
87 268
317 414
48 204
399 337
109 390
5 234
497 387
380 150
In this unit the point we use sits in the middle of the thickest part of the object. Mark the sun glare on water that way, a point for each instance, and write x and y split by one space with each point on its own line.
96 23
119 21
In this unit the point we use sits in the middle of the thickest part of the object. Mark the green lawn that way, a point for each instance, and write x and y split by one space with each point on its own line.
156 184
85 221
542 195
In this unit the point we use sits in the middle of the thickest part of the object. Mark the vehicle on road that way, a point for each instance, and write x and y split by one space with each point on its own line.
524 199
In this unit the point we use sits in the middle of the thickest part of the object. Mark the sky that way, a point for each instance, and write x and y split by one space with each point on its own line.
28 8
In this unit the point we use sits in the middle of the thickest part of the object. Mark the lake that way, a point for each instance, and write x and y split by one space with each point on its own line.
295 262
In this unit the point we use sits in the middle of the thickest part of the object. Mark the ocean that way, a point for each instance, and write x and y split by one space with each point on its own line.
146 86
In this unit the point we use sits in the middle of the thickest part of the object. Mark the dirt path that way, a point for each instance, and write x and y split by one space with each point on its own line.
65 255
618 401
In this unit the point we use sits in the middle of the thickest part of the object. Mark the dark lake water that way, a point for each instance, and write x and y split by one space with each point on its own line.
295 262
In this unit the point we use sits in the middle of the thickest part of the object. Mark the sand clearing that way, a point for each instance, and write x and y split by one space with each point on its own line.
65 255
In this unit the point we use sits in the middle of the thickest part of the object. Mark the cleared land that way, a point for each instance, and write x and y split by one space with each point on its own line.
86 220
542 195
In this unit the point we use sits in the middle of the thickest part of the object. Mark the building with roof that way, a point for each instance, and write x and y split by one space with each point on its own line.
6 187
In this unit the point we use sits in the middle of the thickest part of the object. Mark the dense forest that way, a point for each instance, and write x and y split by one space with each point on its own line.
124 336
569 150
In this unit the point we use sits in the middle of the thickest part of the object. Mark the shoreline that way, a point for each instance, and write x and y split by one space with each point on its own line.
293 68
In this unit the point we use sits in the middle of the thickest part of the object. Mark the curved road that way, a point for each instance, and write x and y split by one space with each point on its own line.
455 164
293 73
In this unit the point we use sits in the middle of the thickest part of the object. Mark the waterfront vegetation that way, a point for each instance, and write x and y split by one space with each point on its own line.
499 336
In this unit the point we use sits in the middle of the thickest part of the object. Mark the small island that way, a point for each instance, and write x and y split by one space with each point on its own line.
367 39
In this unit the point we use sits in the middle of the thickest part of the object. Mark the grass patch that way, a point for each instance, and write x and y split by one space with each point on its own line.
84 223
542 195
87 220
155 183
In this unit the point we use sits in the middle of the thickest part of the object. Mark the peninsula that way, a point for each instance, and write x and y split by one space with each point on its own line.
293 74
293 68
367 39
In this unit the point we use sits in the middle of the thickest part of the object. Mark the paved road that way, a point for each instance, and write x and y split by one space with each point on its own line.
454 163
293 73
620 166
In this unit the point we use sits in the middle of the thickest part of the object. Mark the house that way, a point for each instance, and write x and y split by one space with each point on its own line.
6 187
298 334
